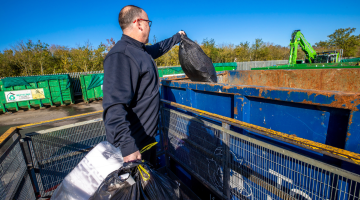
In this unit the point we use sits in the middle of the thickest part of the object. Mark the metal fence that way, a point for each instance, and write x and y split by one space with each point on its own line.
237 166
256 64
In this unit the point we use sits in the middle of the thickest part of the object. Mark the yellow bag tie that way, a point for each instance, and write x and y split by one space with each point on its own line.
141 168
147 147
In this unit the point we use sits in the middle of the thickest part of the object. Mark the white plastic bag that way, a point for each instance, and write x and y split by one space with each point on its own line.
86 177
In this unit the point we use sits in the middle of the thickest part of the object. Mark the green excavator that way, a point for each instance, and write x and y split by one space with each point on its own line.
297 38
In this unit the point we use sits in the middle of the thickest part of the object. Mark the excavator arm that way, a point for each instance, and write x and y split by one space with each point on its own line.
297 38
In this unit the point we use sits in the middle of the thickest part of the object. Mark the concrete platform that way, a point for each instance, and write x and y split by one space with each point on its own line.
31 116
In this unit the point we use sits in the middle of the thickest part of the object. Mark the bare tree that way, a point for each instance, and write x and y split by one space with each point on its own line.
41 55
24 56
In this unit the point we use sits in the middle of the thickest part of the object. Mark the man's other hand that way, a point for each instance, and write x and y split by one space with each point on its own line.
133 157
182 32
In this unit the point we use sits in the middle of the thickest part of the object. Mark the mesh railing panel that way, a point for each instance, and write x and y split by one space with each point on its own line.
26 190
254 169
55 152
185 138
12 169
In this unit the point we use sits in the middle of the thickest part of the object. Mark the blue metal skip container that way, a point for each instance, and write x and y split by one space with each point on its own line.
320 105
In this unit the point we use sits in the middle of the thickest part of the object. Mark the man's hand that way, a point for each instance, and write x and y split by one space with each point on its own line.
132 157
182 33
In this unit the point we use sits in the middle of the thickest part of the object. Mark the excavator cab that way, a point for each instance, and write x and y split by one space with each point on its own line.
327 57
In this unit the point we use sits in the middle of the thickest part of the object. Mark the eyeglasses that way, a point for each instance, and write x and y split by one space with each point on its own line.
150 22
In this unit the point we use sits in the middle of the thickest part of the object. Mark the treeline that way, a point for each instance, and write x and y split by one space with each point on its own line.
37 58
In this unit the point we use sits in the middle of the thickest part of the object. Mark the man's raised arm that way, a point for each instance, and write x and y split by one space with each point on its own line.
164 46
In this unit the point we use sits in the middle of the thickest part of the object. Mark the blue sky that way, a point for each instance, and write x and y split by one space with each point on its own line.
70 23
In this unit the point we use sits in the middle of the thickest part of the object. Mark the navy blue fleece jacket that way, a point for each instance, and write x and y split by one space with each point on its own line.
131 92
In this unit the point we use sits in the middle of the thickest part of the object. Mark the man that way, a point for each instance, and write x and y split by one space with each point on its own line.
131 86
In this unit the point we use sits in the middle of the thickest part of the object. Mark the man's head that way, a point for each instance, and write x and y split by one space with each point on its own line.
134 23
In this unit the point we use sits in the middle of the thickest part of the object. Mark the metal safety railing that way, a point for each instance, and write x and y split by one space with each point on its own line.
236 166
22 173
55 152
232 165
334 152
14 179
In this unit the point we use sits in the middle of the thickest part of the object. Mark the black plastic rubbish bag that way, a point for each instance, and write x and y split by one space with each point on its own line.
136 180
194 62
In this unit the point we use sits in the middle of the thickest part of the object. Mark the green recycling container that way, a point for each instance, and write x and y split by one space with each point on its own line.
35 91
166 71
92 86
225 66
351 60
311 66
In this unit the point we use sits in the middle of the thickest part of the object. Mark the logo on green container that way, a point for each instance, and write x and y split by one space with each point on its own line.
11 96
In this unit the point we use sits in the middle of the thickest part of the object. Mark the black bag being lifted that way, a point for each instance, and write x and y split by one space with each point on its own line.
136 180
194 62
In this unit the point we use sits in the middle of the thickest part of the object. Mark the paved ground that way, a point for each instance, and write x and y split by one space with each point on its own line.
32 116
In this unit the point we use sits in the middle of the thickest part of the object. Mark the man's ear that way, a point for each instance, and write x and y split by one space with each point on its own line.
139 26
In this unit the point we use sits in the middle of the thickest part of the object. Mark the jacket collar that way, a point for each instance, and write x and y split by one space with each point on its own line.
132 41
